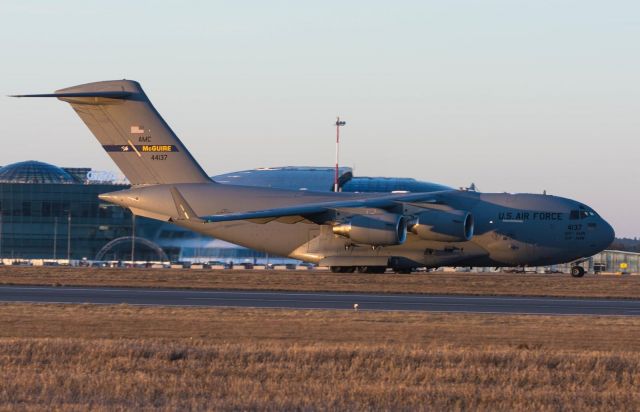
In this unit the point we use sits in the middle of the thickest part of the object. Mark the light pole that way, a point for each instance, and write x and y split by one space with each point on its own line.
55 237
1 237
338 124
133 238
69 237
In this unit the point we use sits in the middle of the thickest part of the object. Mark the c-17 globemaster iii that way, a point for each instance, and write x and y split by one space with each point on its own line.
346 231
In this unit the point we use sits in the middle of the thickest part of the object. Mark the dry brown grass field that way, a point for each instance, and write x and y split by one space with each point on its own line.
125 357
433 283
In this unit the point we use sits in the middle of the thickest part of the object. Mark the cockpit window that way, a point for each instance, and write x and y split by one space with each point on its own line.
581 214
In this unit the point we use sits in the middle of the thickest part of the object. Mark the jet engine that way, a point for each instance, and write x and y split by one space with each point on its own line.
444 226
384 229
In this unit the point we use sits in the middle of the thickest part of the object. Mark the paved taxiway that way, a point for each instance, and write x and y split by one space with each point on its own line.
320 300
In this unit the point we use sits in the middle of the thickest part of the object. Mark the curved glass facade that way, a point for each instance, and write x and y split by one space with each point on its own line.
390 184
41 220
317 179
321 179
34 172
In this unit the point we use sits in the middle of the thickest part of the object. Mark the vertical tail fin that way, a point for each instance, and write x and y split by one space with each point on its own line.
133 133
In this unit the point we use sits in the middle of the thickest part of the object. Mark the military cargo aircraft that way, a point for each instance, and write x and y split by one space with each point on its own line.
346 231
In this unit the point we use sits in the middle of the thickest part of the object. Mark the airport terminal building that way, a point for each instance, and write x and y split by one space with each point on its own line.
49 212
54 213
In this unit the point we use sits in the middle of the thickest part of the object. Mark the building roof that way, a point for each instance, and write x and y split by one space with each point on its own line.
32 171
390 184
321 179
318 179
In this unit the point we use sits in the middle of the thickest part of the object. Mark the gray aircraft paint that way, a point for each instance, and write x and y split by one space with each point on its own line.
510 229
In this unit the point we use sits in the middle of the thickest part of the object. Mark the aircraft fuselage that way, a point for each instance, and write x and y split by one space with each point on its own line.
510 229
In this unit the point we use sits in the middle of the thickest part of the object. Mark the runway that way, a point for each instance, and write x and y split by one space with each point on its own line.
320 300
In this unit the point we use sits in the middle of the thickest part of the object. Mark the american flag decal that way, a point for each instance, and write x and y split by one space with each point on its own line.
137 130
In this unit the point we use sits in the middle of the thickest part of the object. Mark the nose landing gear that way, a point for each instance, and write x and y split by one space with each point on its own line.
359 269
577 271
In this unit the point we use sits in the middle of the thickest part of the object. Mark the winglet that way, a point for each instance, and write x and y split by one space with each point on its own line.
185 212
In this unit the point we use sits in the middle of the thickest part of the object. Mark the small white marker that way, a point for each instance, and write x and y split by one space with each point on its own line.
355 306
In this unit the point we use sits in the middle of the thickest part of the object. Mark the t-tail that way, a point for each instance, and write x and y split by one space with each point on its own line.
132 132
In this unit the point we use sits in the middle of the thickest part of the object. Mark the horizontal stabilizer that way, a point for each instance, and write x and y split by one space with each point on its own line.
109 95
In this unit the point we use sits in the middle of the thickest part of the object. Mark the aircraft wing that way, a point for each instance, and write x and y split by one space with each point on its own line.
296 213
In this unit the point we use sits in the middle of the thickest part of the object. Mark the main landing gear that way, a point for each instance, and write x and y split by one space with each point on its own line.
372 269
343 269
577 271
360 269
369 269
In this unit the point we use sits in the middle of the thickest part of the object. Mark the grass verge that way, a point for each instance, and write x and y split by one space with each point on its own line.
124 357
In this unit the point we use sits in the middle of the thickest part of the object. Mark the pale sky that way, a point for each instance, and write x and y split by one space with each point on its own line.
515 96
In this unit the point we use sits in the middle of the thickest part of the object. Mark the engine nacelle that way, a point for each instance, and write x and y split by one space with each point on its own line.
444 226
384 229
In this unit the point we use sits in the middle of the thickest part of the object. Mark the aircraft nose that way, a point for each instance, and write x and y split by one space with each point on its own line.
607 234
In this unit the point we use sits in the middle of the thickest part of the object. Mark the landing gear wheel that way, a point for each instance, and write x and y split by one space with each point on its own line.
403 271
343 269
577 271
371 269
